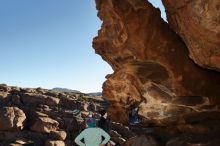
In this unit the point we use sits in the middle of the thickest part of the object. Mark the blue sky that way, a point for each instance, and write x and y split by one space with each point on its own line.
48 43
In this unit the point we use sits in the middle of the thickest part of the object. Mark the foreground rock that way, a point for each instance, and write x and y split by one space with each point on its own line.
11 118
44 124
33 138
54 143
142 140
193 140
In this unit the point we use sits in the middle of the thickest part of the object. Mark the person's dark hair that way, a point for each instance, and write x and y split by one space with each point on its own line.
91 122
102 112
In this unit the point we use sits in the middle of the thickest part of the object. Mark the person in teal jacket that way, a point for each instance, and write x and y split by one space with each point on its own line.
92 135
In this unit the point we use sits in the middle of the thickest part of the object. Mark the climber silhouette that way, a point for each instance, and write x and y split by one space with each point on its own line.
133 117
104 122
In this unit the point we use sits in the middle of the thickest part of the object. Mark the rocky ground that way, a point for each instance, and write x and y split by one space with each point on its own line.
38 117
43 117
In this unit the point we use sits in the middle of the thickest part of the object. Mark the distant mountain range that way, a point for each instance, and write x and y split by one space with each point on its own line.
65 90
75 91
95 94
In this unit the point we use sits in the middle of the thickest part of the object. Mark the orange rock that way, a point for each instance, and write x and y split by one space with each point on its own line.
33 98
197 23
12 118
150 62
43 124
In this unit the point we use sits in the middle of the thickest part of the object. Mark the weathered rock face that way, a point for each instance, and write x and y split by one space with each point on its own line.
11 118
33 98
151 65
43 124
198 24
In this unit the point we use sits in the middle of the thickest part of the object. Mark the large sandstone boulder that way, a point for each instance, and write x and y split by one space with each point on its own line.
151 65
43 124
12 118
34 99
198 24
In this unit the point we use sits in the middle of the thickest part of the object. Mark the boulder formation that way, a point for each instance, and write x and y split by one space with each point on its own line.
198 24
151 66
11 118
169 71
